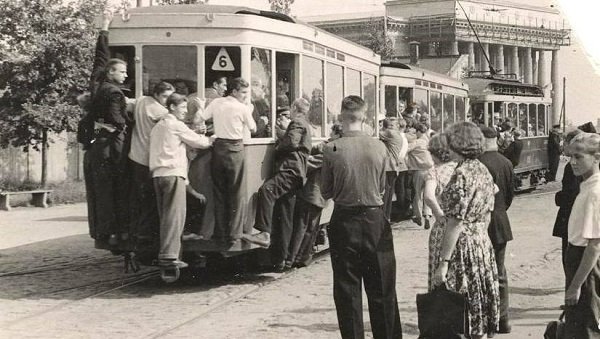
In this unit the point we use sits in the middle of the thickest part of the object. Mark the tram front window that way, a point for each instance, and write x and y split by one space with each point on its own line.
405 95
499 113
420 98
335 93
370 98
533 121
127 54
175 64
477 113
523 123
312 90
542 119
512 114
260 91
448 110
460 109
435 115
353 82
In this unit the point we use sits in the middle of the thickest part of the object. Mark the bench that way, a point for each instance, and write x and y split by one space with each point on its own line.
39 198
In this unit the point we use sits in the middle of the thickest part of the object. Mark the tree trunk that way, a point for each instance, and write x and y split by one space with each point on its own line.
44 158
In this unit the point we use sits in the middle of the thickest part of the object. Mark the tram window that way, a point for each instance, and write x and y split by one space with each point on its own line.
391 103
127 54
175 64
312 90
490 114
260 91
477 113
286 78
335 93
460 109
420 98
370 97
499 113
405 95
532 126
512 115
220 62
542 118
435 111
448 110
353 82
523 123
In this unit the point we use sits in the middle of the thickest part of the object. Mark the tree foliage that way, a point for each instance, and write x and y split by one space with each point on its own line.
46 53
378 40
281 6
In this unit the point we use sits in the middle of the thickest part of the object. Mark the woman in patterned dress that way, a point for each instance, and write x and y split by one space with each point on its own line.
436 180
466 260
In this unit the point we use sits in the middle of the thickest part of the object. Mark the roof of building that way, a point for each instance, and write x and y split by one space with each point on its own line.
343 17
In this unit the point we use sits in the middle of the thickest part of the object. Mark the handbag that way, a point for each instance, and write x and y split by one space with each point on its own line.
441 314
556 328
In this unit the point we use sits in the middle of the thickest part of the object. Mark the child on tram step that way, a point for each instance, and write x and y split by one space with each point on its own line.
169 166
582 297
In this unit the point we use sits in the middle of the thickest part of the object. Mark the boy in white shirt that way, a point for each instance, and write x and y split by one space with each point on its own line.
583 252
169 167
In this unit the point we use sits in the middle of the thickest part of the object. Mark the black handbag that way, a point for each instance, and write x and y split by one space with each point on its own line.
441 314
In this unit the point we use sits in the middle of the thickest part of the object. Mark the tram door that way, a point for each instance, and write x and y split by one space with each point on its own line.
286 66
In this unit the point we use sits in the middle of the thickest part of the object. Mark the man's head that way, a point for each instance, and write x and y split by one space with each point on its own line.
220 85
490 138
181 87
421 129
401 124
239 89
116 70
391 123
177 105
353 110
300 108
162 91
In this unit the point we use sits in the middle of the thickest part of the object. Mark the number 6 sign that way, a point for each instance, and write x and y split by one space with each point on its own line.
222 61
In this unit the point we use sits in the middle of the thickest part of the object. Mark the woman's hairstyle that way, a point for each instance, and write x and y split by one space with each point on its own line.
421 127
162 87
175 99
301 105
585 143
439 148
466 139
237 84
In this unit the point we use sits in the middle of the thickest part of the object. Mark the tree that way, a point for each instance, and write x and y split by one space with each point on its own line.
46 53
378 40
281 6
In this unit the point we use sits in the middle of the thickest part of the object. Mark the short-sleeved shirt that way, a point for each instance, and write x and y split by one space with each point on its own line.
230 118
147 113
584 222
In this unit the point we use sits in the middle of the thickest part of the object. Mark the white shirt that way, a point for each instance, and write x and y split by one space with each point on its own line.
147 113
584 222
167 147
230 118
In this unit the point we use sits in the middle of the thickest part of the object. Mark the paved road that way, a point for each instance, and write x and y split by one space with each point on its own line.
79 292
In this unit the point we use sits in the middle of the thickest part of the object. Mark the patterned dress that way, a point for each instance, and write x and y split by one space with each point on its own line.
441 174
469 196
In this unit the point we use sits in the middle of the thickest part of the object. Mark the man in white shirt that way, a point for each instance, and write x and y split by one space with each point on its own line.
232 121
169 165
148 111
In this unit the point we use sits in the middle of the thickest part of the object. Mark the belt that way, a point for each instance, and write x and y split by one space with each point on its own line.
228 140
354 208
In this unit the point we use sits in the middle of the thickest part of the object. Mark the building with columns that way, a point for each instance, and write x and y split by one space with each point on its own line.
516 39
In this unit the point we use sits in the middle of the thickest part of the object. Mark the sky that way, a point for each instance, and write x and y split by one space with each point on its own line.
579 63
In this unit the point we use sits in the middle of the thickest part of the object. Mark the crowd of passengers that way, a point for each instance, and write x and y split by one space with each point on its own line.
456 182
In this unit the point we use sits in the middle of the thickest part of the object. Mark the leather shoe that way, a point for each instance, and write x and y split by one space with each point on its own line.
262 239
504 326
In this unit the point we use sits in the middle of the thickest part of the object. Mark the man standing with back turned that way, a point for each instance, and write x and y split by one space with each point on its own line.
361 241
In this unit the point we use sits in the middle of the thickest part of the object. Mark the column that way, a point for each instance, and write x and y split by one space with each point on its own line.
471 51
499 59
453 48
556 89
534 66
514 56
482 61
528 74
542 67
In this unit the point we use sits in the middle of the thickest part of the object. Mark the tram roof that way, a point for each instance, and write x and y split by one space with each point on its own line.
394 69
482 85
215 9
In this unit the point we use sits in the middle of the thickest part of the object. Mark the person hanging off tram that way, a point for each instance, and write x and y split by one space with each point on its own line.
111 124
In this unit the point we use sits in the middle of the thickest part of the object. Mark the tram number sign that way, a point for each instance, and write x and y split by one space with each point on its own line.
223 61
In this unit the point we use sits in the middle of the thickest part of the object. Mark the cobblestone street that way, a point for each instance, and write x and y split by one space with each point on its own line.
63 288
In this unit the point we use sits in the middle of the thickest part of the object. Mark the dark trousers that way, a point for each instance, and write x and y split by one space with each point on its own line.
553 160
404 193
564 246
304 234
281 184
170 199
283 217
229 187
500 251
390 184
89 192
581 320
194 215
144 213
362 250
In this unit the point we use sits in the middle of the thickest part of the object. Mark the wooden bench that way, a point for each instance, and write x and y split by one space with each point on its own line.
39 198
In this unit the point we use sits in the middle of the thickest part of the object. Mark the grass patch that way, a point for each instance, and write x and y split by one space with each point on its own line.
67 192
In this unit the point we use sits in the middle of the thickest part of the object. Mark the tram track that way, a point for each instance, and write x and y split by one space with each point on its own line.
61 266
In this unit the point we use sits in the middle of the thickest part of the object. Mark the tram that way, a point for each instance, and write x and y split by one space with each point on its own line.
498 99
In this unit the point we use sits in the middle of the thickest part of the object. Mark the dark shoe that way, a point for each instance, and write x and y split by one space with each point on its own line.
504 326
417 221
279 268
263 239
427 223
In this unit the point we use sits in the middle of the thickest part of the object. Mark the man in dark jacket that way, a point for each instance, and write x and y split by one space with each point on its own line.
291 156
554 139
499 228
514 149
